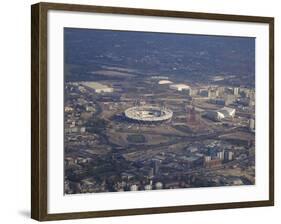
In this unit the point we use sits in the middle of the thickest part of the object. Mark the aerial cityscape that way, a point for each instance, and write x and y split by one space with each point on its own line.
152 111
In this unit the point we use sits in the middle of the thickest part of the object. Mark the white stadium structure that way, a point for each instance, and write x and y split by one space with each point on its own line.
218 115
148 114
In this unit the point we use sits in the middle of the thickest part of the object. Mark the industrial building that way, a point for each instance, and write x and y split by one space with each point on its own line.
164 82
214 115
217 101
97 87
236 91
227 112
204 92
252 124
179 87
218 115
229 99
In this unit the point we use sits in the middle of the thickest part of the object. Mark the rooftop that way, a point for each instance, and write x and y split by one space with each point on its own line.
95 85
161 82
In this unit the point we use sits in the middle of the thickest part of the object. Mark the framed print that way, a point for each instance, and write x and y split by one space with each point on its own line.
139 111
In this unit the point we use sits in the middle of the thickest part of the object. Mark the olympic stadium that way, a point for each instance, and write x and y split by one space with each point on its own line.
148 114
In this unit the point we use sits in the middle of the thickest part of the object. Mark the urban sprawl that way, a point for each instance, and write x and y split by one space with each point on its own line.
154 132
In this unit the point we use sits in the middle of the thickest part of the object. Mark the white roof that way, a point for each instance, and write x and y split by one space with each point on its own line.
216 114
95 85
180 86
161 82
227 111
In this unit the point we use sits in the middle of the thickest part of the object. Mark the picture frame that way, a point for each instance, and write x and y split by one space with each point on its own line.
41 101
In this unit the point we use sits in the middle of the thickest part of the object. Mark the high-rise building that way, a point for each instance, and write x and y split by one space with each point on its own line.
220 91
207 158
220 155
236 91
252 124
156 164
228 155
